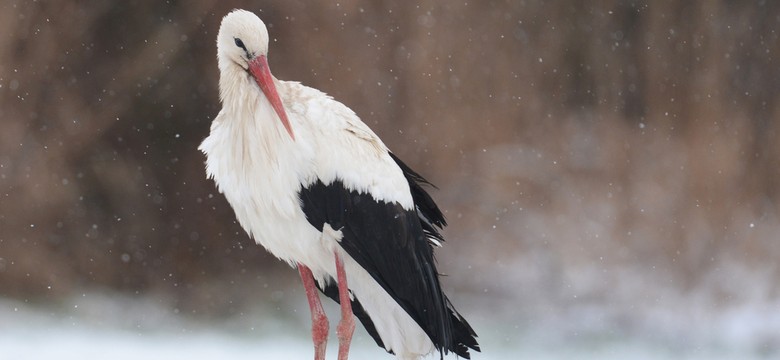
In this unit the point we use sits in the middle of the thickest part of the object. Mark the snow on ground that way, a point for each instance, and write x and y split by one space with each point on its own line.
114 327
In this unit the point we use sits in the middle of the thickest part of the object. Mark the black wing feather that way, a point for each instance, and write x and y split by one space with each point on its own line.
390 243
422 200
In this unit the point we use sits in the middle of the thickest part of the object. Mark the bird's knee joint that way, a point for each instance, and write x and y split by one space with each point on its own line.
320 328
346 327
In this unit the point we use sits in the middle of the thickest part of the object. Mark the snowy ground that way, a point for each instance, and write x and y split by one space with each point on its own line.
110 327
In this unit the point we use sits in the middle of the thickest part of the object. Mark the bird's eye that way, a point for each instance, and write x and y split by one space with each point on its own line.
240 43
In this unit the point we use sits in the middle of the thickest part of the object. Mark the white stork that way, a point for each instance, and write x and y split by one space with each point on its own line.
317 188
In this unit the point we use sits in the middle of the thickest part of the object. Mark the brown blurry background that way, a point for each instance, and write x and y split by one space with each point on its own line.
620 154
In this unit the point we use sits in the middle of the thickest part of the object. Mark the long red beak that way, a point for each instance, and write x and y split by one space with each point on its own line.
259 69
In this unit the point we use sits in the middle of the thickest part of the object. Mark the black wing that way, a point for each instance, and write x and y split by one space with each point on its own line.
390 243
429 213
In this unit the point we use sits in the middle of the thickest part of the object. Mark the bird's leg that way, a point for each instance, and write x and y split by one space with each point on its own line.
319 322
346 326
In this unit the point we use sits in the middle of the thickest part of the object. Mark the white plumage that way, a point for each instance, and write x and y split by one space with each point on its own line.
261 167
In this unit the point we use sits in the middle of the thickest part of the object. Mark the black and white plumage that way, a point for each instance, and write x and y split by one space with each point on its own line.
317 188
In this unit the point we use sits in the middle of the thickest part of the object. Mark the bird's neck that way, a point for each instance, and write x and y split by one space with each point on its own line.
236 86
248 110
239 90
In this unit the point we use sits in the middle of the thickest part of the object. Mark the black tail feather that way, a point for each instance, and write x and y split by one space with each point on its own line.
464 336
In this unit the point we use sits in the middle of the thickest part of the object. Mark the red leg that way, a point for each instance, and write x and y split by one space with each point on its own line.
346 326
319 322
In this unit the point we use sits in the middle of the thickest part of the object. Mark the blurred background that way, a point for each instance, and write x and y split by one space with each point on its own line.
610 170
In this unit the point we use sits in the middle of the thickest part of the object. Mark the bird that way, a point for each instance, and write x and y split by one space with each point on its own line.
315 186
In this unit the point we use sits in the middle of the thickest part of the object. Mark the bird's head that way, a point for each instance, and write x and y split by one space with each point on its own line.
243 43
